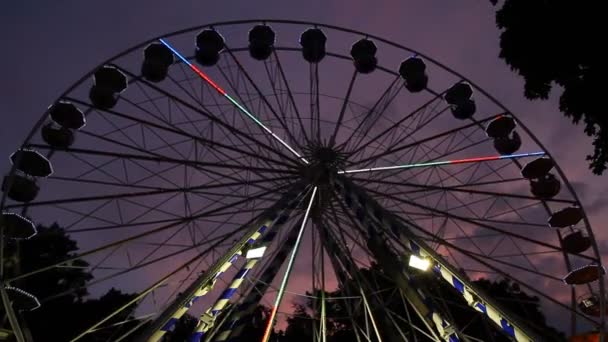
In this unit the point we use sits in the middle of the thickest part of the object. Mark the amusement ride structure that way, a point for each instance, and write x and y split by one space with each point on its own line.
229 165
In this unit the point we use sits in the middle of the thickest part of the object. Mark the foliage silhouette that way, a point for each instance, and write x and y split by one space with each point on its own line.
558 43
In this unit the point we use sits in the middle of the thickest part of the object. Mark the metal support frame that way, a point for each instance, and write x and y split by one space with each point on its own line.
207 320
474 297
339 256
420 301
205 282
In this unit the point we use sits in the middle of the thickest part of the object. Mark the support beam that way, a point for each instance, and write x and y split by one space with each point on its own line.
243 313
420 301
414 245
205 282
285 279
253 255
340 256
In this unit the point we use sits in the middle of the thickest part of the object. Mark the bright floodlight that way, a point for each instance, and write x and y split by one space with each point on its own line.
419 263
256 253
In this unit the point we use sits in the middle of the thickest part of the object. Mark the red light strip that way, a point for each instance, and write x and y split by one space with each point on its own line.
273 314
194 68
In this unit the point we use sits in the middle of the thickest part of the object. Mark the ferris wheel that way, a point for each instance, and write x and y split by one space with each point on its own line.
242 163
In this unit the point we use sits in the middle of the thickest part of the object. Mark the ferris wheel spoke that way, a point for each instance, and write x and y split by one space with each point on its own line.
199 102
425 151
100 168
134 223
486 217
204 237
162 119
446 162
332 139
415 118
426 216
235 83
473 222
443 194
127 195
494 170
358 239
460 186
117 201
170 121
464 188
344 236
408 132
456 151
88 215
240 107
383 102
200 255
252 82
166 144
149 209
153 174
280 85
144 234
179 132
211 117
415 175
481 219
315 105
207 219
207 186
290 93
417 142
130 185
164 159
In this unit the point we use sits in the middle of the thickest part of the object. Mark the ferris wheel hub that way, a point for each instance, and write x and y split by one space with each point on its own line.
325 161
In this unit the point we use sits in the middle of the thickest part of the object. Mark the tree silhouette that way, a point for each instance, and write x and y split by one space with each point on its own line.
60 318
299 325
559 42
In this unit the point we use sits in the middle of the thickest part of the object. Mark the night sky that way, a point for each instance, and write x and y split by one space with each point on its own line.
48 45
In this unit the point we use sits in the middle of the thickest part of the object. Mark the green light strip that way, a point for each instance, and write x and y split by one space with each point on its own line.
277 301
246 112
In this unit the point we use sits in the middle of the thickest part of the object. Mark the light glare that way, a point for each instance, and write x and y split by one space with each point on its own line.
256 253
419 263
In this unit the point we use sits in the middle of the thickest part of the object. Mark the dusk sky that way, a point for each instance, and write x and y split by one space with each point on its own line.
49 45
